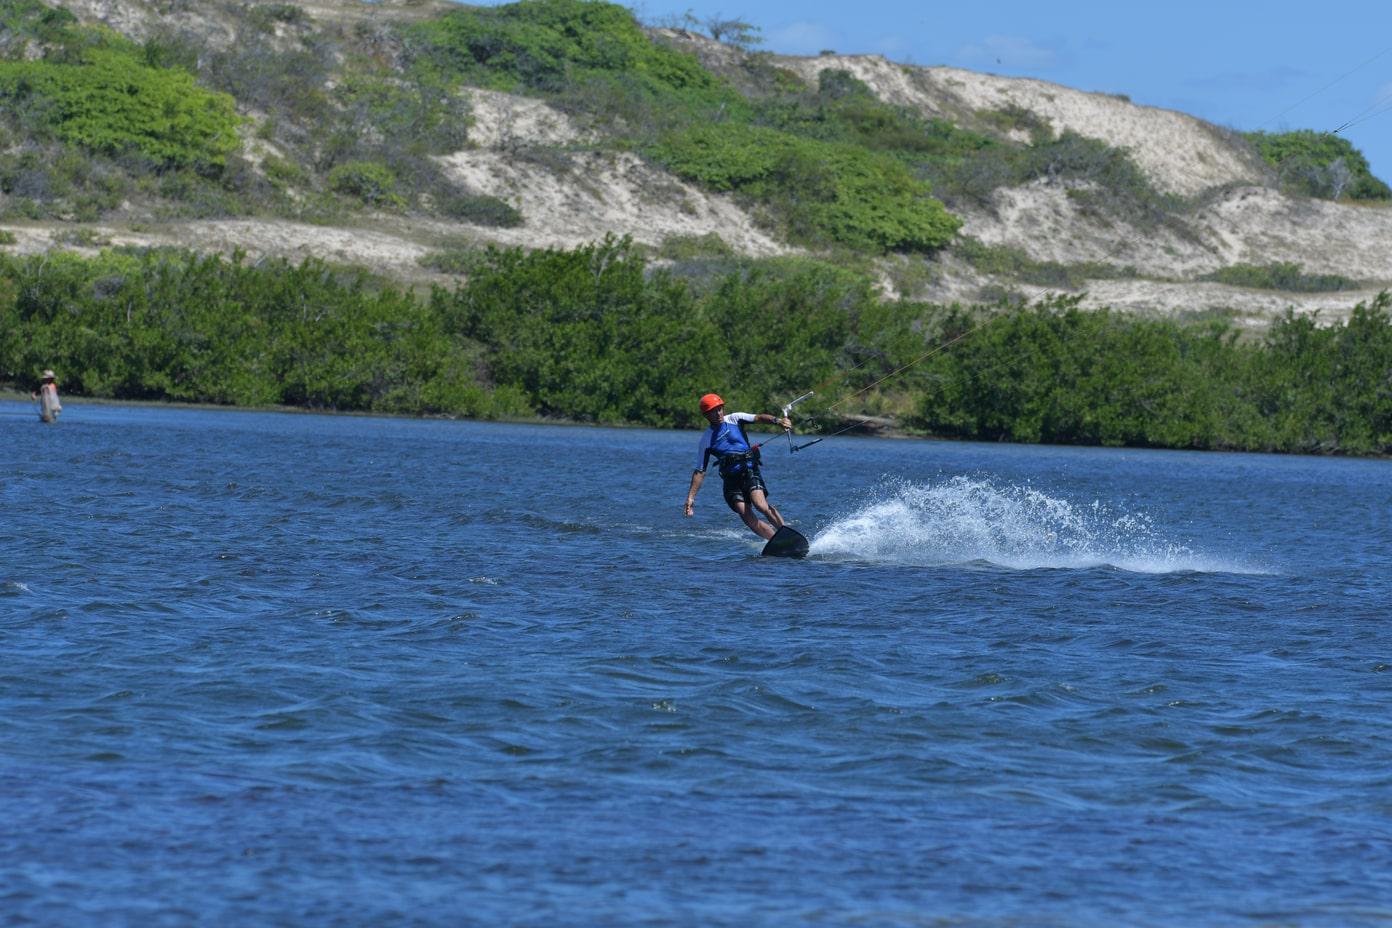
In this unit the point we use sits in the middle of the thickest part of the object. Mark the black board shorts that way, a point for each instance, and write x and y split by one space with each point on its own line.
738 486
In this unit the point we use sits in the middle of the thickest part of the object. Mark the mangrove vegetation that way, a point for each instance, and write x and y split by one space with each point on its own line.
598 334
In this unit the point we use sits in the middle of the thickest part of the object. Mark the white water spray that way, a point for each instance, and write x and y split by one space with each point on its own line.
966 520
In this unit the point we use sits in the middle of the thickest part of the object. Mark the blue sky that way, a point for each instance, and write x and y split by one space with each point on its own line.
1273 65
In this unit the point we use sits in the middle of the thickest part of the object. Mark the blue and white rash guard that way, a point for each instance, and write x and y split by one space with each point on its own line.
726 438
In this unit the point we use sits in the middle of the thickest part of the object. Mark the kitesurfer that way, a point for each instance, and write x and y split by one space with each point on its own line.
738 462
47 397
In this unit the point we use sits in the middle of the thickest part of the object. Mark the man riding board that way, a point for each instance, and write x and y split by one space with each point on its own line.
738 462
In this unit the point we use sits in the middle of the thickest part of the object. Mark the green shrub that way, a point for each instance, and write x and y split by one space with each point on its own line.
288 85
460 260
690 247
477 209
1319 164
382 112
845 109
113 104
726 157
82 238
57 182
8 238
265 16
1013 118
544 44
372 183
1014 264
35 21
1286 276
166 50
825 191
190 195
283 171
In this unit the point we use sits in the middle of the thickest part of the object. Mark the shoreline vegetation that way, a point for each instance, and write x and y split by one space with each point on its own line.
598 335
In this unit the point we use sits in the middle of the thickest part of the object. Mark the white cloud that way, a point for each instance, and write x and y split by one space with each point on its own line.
1008 51
801 38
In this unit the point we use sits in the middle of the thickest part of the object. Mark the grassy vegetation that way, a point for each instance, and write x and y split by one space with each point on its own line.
1013 264
1282 275
597 335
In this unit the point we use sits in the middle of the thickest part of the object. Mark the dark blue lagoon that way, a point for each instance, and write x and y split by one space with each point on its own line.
270 669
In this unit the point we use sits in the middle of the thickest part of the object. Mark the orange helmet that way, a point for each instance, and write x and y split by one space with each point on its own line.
710 401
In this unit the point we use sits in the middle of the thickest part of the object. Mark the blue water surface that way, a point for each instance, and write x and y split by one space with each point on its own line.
274 669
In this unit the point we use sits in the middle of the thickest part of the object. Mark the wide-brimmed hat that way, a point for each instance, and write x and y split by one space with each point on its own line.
49 375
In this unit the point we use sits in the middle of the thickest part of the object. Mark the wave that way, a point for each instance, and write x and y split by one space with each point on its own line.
971 520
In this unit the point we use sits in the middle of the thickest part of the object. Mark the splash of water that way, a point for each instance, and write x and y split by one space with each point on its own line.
965 520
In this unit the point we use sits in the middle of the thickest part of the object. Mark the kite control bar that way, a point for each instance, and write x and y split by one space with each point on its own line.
789 408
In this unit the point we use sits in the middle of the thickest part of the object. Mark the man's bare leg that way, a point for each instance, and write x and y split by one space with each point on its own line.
756 525
762 504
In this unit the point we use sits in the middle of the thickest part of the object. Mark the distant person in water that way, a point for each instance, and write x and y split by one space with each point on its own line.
47 397
738 462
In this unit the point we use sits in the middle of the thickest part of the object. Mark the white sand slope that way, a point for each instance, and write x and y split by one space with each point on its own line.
601 193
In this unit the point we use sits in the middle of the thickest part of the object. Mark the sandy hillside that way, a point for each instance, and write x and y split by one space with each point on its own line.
1179 153
139 19
571 189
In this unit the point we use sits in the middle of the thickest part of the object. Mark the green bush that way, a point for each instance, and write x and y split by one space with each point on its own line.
265 16
82 238
544 44
287 85
114 104
825 191
36 22
190 195
477 209
845 109
690 247
54 181
1015 265
1286 276
460 260
725 157
1319 164
376 111
368 181
283 171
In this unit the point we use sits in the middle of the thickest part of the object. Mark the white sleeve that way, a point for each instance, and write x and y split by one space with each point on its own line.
734 417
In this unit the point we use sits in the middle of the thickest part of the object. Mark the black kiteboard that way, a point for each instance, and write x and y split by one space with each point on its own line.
786 542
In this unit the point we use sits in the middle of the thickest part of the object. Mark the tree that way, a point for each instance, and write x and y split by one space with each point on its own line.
736 32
